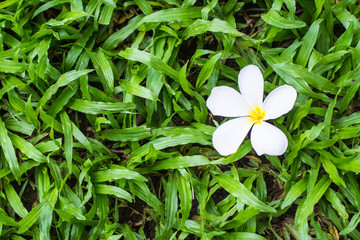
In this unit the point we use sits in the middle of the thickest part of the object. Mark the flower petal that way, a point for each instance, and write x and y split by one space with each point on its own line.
228 137
251 85
279 102
227 102
268 139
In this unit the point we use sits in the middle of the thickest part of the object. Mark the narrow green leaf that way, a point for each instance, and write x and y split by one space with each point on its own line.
149 60
113 190
185 84
171 201
138 90
144 6
320 234
201 26
309 41
173 14
92 107
181 162
62 99
14 200
312 198
8 66
48 5
31 218
7 3
23 48
8 150
31 115
142 191
300 85
241 218
207 70
331 169
244 149
109 3
166 142
73 15
295 192
19 126
103 69
335 201
68 139
244 195
27 148
128 234
299 115
69 209
115 174
352 225
349 94
5 219
128 134
347 121
273 18
116 38
243 235
64 80
313 79
185 196
81 137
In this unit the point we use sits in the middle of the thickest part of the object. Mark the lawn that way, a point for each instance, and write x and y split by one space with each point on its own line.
107 127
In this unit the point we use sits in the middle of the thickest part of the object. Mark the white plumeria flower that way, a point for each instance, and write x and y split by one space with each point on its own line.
251 111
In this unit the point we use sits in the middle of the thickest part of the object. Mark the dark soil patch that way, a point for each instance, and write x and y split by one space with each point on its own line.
134 215
29 197
219 195
187 50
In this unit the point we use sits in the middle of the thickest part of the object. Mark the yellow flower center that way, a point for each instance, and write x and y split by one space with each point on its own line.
257 115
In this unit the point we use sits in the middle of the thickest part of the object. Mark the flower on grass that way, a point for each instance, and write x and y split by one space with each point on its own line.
251 111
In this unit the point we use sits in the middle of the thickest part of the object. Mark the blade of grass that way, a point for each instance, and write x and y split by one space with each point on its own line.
8 150
243 194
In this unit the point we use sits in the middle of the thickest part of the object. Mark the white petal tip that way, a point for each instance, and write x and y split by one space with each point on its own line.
268 139
228 137
251 84
227 102
250 67
279 102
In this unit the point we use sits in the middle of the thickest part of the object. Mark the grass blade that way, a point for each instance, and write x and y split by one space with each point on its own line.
243 194
68 139
8 150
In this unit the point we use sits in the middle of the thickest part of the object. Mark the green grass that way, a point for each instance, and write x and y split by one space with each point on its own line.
105 134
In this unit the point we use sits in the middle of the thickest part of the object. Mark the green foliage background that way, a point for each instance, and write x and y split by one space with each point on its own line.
103 119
